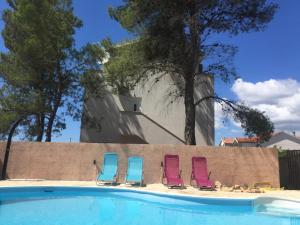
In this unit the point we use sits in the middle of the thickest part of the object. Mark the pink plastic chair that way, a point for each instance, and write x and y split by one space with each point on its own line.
199 173
172 175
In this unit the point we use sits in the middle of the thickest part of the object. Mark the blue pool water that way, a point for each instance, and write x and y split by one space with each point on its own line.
103 206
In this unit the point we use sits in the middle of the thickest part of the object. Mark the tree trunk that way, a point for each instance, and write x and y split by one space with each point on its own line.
52 118
8 144
57 102
41 125
191 70
189 130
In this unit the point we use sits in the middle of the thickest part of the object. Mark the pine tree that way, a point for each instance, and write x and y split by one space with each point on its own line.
172 38
42 58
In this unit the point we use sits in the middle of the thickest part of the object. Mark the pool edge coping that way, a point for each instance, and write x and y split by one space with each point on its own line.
161 193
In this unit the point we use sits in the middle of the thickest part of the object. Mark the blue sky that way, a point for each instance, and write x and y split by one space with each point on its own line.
271 55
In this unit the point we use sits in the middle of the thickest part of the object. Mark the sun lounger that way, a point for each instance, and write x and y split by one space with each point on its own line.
199 175
109 171
172 175
135 170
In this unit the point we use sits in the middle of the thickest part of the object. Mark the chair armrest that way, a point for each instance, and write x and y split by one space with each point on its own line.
164 172
125 177
192 175
116 175
98 168
163 176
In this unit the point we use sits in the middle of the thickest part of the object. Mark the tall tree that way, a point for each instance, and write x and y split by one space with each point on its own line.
173 38
18 106
42 57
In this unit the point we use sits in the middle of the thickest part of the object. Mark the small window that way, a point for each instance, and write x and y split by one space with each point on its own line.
134 107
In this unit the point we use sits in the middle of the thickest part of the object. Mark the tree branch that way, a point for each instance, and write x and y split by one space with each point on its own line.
230 103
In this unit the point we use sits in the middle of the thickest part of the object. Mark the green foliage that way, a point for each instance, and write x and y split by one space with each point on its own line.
16 104
124 68
173 38
43 62
281 152
174 31
255 123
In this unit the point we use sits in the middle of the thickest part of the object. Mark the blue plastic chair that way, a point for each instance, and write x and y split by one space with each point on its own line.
135 170
109 171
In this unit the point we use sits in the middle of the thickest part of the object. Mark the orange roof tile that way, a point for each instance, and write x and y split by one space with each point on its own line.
240 140
247 140
228 140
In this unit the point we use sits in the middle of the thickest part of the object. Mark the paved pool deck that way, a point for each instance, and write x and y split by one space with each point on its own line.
286 194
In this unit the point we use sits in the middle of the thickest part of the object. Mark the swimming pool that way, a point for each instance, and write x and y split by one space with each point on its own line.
107 206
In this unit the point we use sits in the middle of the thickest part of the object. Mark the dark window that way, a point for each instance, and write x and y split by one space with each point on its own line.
134 108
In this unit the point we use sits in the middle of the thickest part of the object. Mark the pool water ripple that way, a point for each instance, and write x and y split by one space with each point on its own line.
101 206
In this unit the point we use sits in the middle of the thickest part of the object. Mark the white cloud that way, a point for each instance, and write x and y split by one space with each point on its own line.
267 92
280 99
219 117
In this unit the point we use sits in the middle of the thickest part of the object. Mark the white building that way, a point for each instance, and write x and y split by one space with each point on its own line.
239 142
146 116
283 141
280 140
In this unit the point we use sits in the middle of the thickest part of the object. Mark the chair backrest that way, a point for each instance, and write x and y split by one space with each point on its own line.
199 167
171 166
110 163
135 165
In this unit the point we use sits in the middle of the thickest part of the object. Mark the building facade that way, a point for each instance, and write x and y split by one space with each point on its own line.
280 140
147 115
284 141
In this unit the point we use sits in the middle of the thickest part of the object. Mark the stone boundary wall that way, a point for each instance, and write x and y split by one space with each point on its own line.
74 161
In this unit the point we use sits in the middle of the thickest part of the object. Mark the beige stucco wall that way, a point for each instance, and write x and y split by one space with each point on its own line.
74 161
2 148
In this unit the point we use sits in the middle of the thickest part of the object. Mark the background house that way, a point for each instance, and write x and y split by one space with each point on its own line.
280 140
284 141
239 142
146 115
